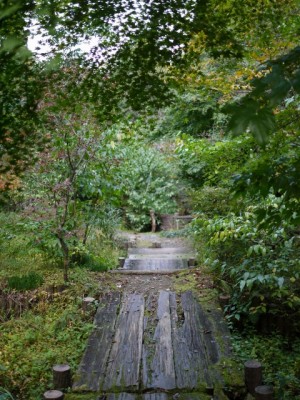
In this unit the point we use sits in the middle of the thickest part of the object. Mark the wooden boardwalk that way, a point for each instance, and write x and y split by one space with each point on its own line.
156 347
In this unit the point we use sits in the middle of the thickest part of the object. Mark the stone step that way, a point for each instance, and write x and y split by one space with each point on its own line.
161 256
162 250
155 264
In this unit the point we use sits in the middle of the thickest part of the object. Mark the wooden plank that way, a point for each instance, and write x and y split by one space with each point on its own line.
195 348
220 326
124 361
189 356
158 360
95 357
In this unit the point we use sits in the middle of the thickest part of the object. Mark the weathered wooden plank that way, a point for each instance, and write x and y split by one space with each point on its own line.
220 326
195 348
124 361
95 357
158 360
189 355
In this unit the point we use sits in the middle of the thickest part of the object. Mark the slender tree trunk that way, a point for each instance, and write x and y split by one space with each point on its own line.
86 233
66 256
153 221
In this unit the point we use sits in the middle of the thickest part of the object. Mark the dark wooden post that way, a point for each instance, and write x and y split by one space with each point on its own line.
131 244
53 395
191 262
61 376
253 375
264 393
156 245
121 262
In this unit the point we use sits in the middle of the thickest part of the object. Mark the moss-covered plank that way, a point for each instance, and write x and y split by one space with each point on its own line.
201 341
123 368
190 359
158 360
95 357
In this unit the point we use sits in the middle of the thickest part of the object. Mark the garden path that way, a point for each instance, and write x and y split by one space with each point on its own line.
152 342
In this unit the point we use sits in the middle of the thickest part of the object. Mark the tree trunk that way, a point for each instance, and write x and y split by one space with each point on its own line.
153 221
65 250
86 233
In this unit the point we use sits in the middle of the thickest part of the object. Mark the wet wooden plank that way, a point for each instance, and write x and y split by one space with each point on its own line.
95 357
195 348
124 361
158 360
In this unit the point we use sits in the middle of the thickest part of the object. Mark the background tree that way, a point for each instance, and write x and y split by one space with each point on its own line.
66 189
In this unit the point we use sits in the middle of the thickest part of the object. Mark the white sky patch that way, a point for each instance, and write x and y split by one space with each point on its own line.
39 42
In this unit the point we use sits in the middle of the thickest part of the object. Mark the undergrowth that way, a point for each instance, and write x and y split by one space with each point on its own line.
53 332
279 356
54 329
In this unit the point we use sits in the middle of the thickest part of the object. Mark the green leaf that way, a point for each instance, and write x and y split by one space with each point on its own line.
280 281
260 124
242 285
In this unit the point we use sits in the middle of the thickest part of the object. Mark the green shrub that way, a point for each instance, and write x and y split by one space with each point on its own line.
259 265
25 282
210 200
204 162
148 182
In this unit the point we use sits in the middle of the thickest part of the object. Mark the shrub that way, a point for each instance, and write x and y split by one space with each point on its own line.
212 201
148 183
259 264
